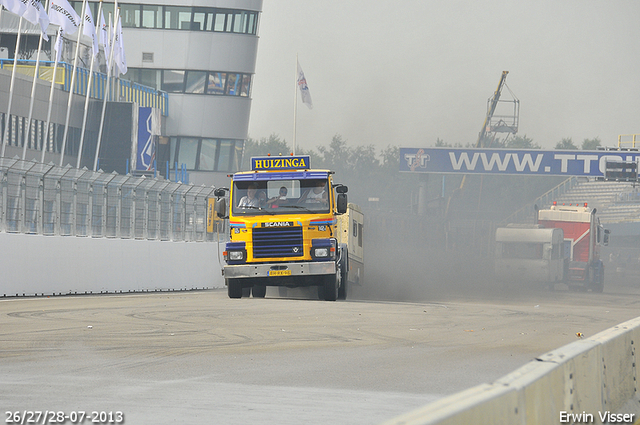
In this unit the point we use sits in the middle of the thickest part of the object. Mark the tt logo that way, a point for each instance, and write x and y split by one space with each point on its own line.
419 159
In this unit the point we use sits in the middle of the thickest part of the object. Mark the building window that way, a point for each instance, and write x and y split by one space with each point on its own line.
151 16
195 81
208 151
246 85
220 20
233 84
173 81
180 18
188 152
149 78
204 154
177 18
216 83
130 14
199 19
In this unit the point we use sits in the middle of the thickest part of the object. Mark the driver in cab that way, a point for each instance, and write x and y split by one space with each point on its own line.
251 200
316 195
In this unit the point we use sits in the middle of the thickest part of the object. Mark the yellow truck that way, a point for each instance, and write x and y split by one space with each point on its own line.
290 226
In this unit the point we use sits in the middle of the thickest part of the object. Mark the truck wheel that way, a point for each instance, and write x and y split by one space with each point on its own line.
259 291
342 291
331 285
234 288
246 292
344 272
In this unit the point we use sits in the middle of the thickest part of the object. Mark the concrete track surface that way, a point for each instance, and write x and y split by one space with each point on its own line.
201 358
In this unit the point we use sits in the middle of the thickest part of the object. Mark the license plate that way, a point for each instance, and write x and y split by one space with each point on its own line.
279 272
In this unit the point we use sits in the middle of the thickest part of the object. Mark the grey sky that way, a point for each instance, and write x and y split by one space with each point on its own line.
405 73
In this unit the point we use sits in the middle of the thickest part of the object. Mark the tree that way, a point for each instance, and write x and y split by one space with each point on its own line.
521 142
566 143
591 144
272 145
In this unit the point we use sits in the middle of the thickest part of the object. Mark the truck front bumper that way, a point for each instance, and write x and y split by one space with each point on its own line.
280 269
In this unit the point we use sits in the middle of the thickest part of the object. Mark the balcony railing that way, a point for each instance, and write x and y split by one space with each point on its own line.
119 90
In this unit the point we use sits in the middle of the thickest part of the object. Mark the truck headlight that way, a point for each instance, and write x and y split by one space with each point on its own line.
236 255
321 252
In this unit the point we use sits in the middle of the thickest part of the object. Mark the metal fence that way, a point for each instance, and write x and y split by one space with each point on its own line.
45 199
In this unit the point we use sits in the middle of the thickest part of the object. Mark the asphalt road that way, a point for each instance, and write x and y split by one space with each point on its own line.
201 358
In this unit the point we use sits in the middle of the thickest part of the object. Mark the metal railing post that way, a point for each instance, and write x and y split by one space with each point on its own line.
90 210
3 214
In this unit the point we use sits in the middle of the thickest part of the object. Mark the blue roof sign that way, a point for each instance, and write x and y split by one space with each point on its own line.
272 163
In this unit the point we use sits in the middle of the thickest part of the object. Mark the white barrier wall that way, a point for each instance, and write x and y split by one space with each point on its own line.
592 377
45 265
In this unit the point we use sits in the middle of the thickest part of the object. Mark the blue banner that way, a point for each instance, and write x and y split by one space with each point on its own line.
146 151
511 161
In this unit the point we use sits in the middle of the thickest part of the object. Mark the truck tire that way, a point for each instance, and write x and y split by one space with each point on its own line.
259 291
344 272
331 285
344 285
234 288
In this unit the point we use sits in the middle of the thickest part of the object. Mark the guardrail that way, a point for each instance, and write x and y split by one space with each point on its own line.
119 89
628 139
45 199
587 381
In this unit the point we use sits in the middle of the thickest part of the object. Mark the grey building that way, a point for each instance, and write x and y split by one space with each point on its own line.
201 53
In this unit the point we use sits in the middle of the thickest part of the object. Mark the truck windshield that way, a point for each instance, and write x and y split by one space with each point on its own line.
281 197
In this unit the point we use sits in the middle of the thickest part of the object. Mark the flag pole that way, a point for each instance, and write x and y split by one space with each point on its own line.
51 92
106 92
33 97
295 106
73 79
7 121
86 101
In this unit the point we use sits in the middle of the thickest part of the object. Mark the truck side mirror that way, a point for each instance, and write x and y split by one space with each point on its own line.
605 241
220 207
342 203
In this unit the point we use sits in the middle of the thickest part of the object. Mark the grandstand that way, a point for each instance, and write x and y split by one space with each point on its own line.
617 202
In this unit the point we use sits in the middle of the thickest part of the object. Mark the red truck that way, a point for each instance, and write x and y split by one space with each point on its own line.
583 237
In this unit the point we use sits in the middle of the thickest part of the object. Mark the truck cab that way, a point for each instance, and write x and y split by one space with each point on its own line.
283 229
583 238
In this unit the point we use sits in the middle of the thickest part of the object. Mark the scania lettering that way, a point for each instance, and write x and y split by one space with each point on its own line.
286 225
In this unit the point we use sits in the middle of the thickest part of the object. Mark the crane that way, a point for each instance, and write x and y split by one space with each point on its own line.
487 127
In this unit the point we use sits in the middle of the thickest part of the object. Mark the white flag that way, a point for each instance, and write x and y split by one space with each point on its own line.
118 54
58 45
104 36
304 89
61 13
89 30
36 14
14 6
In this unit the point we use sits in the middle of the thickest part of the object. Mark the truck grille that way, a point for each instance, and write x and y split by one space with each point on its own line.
277 242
